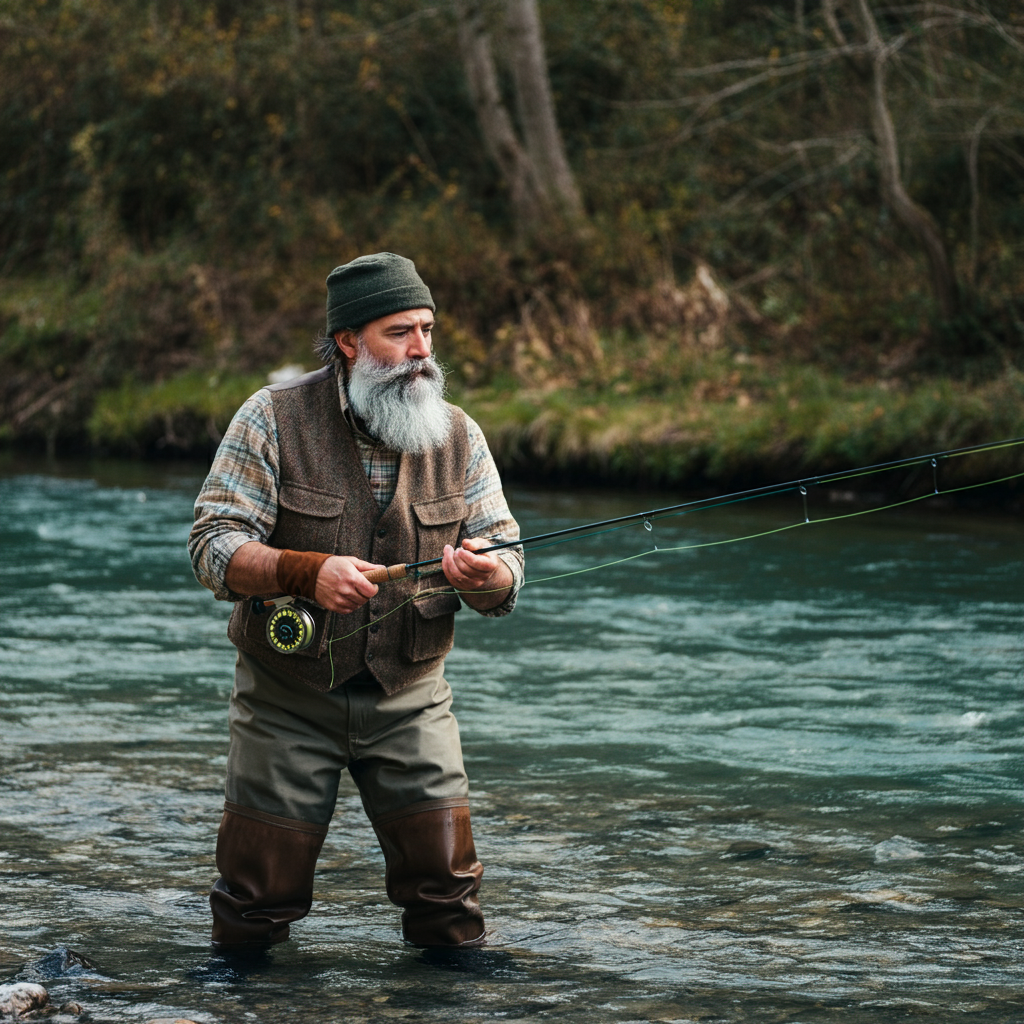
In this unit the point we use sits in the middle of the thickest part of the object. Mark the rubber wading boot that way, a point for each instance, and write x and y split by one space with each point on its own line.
266 865
433 873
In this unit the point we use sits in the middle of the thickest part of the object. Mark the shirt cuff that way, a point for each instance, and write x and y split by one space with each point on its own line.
214 564
514 561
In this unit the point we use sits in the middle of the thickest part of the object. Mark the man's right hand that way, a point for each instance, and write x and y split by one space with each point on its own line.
341 585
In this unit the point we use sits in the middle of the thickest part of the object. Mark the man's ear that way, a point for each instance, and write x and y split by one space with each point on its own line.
347 343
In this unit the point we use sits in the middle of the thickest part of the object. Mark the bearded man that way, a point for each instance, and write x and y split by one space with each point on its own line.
318 480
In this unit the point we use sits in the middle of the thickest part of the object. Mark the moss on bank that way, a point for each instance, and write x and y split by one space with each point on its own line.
669 409
184 412
738 420
802 422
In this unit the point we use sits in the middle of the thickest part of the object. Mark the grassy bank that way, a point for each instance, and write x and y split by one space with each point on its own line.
156 361
745 426
737 420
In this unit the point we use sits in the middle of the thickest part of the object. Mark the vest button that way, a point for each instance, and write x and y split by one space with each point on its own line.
382 532
374 628
369 656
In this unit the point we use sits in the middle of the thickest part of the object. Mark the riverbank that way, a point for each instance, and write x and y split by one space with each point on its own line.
748 423
732 420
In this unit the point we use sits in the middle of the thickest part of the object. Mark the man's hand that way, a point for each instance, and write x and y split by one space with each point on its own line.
341 585
486 574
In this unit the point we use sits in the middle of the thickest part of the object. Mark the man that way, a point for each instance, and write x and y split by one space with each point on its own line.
318 480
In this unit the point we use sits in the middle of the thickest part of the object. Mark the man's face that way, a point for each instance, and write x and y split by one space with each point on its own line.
392 339
394 385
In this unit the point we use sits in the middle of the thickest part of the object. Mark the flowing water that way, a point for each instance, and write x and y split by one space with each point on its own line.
778 780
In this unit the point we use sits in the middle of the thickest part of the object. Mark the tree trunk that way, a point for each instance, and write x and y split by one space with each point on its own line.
915 218
536 107
535 169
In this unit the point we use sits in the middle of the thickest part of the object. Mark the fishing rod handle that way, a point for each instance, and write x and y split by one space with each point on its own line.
392 572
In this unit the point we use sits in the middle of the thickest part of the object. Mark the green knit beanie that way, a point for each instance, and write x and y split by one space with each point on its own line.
371 287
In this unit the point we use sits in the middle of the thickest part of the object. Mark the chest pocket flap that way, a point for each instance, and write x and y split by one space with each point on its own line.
309 502
441 511
307 519
438 522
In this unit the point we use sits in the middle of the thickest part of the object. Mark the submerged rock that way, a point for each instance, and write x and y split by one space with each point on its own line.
58 963
745 850
22 997
899 848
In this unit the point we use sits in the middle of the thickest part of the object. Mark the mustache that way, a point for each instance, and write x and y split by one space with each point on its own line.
401 376
403 406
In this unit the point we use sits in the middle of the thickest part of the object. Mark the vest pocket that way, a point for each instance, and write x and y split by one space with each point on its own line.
309 520
438 522
432 626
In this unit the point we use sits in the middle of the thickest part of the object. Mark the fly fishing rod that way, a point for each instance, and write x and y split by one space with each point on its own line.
291 628
417 570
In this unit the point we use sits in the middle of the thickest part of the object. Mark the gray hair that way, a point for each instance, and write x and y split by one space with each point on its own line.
326 348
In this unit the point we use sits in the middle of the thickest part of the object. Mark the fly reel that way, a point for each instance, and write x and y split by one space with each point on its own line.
290 628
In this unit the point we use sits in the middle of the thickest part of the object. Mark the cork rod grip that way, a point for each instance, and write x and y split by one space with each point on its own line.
392 572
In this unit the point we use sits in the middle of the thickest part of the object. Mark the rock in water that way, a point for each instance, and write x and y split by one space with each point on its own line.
748 851
170 1020
22 997
57 963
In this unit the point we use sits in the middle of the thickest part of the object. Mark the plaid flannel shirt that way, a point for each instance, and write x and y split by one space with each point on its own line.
238 501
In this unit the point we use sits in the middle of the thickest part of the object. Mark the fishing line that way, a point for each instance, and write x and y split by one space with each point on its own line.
777 529
689 547
770 491
699 504
627 526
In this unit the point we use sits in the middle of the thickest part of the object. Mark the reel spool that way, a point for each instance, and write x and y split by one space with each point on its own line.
290 629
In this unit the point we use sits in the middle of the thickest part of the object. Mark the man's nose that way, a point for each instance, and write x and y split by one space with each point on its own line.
419 344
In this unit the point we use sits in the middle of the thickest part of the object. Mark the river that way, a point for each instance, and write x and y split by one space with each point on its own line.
776 780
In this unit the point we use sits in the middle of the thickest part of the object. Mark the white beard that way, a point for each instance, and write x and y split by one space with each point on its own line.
402 406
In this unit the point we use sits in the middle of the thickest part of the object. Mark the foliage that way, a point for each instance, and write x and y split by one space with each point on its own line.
184 411
180 175
749 421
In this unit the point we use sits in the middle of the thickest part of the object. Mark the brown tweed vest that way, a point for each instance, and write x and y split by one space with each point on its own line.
325 504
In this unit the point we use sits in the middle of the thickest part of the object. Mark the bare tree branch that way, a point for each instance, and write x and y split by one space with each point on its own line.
391 27
802 145
848 155
496 127
692 128
972 175
737 197
1007 151
805 56
777 69
536 107
983 19
915 218
828 10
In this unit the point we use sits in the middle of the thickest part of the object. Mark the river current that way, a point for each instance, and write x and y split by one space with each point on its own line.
777 780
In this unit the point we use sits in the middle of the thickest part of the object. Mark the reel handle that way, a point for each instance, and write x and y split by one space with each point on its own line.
261 605
392 572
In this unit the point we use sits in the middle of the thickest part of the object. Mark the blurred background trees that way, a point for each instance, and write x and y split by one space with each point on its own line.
827 181
534 169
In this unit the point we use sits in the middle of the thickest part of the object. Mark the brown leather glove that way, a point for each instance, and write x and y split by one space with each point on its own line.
297 572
